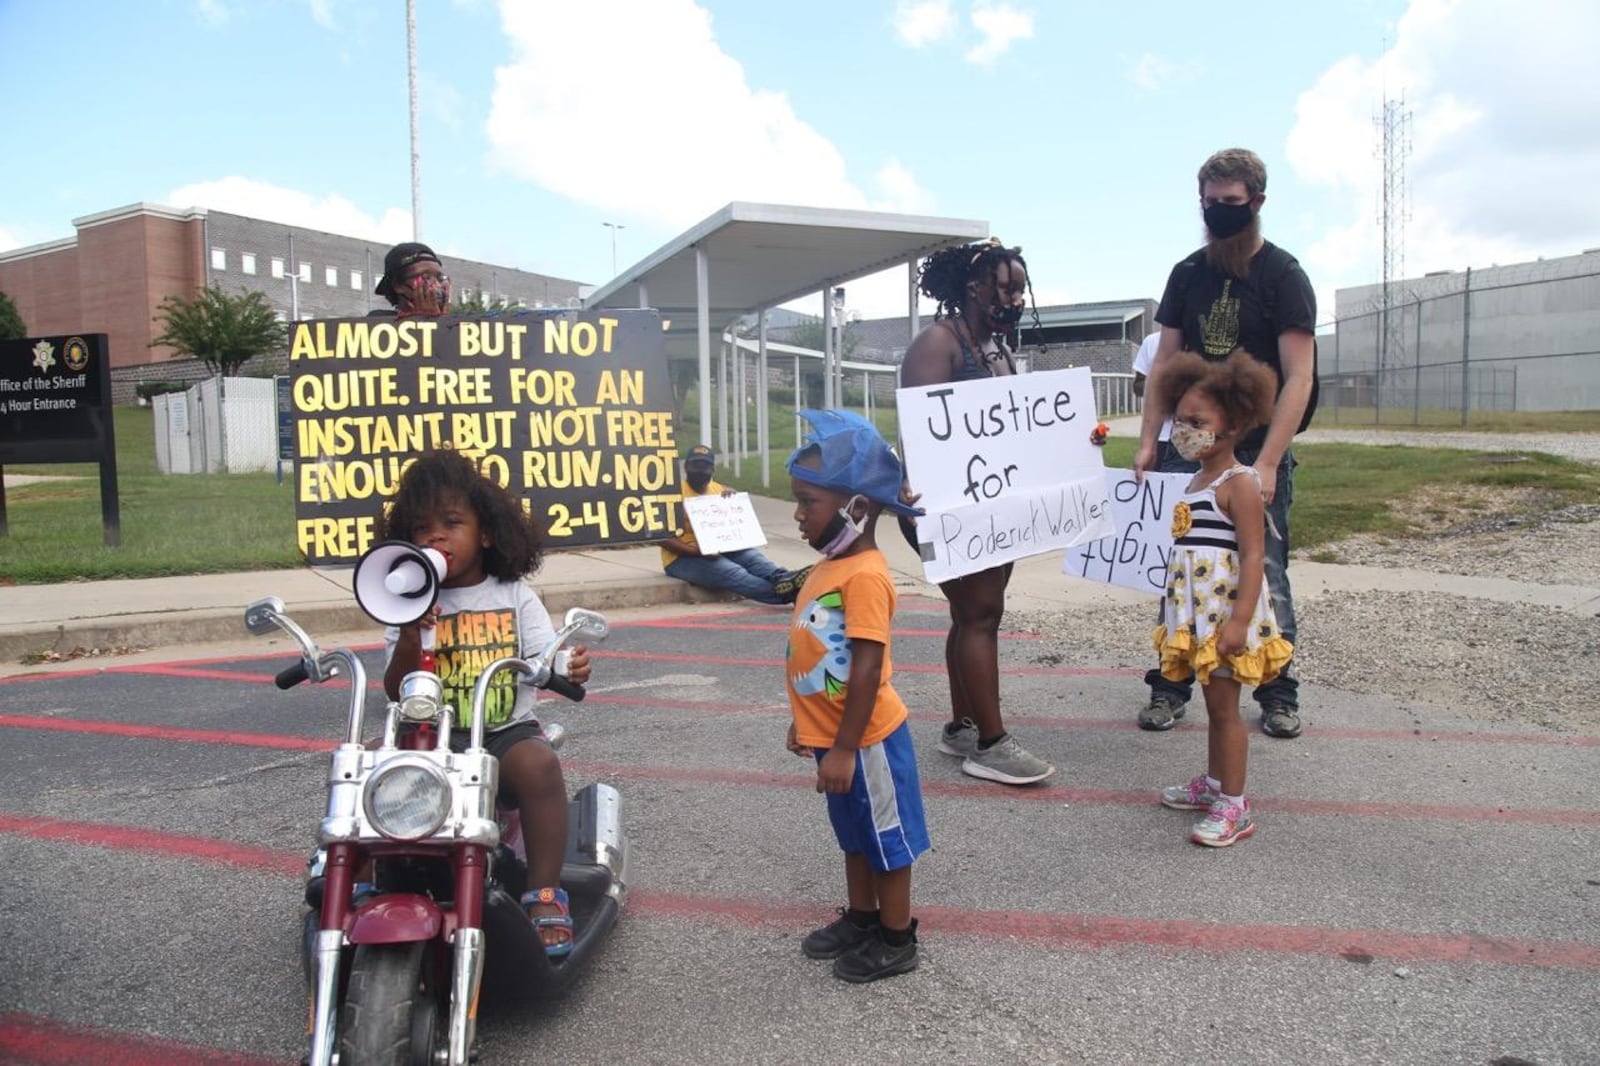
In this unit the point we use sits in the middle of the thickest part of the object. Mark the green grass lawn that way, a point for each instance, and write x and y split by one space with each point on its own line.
213 523
1444 420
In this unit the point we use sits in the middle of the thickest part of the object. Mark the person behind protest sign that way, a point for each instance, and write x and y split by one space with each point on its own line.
1241 290
982 291
746 572
414 281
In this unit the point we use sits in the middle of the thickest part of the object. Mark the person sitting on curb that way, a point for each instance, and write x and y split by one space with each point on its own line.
746 571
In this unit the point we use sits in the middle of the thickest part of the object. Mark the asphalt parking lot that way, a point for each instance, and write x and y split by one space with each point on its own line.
1421 890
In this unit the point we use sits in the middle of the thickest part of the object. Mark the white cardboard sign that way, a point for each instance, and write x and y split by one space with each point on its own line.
1005 468
724 523
1135 556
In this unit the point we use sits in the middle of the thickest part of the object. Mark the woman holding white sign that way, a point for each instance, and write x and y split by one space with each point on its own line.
982 290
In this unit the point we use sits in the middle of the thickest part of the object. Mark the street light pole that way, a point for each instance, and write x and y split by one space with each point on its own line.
613 227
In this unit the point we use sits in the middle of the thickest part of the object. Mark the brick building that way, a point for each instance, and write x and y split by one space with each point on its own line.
113 274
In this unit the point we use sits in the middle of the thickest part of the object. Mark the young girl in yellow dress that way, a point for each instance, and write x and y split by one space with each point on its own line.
1216 619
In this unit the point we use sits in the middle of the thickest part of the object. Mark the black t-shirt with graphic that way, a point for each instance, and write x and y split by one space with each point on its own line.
1218 312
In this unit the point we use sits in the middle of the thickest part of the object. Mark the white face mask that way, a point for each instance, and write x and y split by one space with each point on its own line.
1191 441
843 530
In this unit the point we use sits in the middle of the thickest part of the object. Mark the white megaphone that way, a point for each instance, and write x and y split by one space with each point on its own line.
397 583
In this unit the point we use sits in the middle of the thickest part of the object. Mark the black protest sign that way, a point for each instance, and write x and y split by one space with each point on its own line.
571 411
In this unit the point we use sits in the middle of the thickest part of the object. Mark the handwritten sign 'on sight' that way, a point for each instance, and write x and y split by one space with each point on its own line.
1005 468
1135 556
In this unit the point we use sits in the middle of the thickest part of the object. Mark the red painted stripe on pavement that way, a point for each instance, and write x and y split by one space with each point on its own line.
30 1040
130 838
1087 930
1104 797
904 668
1320 732
955 790
771 627
273 741
1102 931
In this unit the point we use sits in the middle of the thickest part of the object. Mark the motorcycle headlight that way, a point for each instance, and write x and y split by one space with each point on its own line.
407 800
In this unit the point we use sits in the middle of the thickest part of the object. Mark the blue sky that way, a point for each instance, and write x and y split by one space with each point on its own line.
1074 129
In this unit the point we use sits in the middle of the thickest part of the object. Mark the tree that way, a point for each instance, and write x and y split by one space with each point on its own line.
11 327
220 330
478 304
811 335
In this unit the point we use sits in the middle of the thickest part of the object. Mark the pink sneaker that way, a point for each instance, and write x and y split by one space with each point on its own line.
1224 824
1195 796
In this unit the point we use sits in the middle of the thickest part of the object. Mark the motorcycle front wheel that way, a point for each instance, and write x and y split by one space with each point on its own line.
391 1014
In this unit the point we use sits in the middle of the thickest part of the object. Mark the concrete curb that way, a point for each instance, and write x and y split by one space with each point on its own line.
207 625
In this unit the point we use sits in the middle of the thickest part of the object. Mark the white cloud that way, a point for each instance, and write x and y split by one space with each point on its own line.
899 191
919 23
211 12
1152 72
9 239
331 213
322 14
1504 161
664 126
1000 26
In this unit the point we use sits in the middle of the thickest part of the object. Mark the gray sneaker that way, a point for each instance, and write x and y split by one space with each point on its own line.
959 739
1006 762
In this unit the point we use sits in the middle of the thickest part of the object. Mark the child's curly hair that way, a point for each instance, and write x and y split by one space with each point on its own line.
1241 385
516 546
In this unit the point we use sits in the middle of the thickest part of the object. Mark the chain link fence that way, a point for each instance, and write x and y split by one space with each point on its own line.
1447 347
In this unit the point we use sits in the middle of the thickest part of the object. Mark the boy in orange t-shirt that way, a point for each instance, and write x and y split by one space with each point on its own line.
846 714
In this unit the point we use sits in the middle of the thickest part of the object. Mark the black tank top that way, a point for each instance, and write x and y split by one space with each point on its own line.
972 367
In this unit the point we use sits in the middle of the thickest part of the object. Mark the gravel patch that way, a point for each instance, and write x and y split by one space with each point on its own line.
1487 661
1484 660
1581 446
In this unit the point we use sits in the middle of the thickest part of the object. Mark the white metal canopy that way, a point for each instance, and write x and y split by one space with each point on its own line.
748 258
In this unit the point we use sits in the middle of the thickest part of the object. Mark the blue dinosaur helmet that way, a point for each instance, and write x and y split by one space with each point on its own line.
854 459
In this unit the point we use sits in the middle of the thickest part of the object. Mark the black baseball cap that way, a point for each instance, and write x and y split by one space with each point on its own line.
395 263
700 455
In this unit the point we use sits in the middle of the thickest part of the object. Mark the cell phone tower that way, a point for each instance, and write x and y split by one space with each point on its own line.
1394 211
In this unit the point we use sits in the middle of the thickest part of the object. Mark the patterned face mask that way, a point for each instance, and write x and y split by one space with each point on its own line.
430 294
1192 441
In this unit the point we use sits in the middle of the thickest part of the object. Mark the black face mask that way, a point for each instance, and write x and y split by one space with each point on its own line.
1005 318
698 482
1224 220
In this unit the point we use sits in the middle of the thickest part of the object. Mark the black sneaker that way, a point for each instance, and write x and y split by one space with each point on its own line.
1162 713
788 586
877 959
1280 720
837 937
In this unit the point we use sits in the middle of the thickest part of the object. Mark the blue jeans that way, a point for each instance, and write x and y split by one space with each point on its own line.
746 572
1284 689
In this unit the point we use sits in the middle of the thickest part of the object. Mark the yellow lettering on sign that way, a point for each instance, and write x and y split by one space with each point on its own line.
544 388
334 538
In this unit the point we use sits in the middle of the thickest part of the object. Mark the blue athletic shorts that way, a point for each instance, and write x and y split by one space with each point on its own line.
881 816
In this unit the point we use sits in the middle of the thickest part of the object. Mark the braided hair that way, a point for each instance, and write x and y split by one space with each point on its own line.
945 275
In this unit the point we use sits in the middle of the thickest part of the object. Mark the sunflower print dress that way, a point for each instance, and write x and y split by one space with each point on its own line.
1203 593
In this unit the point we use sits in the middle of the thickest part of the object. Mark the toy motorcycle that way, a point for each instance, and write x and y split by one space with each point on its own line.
394 972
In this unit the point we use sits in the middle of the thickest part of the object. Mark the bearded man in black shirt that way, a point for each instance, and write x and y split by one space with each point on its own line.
1240 291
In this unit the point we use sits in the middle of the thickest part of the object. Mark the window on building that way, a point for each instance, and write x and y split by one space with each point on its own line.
277 267
305 273
355 280
247 263
330 276
219 259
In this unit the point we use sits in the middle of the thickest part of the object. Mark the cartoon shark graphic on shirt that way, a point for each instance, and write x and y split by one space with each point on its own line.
823 618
